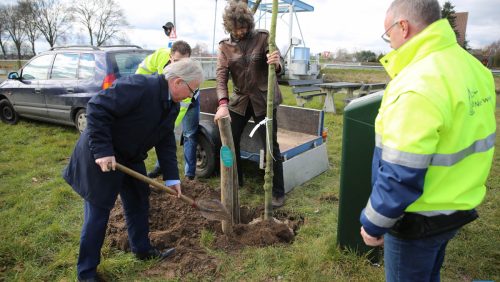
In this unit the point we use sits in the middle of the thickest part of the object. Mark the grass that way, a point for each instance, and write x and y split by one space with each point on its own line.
40 219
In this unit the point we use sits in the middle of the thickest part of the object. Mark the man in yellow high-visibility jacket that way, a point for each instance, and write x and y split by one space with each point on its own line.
189 113
435 134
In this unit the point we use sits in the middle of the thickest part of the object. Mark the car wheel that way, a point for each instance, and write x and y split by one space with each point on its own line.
205 157
81 120
7 112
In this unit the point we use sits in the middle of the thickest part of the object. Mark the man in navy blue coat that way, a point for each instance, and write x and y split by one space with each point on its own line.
124 122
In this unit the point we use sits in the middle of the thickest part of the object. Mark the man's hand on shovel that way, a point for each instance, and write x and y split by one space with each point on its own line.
106 163
175 187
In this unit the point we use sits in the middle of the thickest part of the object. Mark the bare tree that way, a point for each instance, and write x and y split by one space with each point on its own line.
15 27
200 50
3 29
53 19
86 13
103 19
27 9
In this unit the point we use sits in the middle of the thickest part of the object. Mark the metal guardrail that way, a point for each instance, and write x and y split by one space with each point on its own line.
351 66
367 67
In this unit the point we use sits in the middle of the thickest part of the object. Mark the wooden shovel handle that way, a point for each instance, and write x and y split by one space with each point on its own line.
154 183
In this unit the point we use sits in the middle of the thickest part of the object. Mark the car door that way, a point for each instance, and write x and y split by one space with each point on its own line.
26 95
59 89
90 77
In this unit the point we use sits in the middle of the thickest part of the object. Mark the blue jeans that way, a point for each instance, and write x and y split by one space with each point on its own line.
189 130
190 124
415 260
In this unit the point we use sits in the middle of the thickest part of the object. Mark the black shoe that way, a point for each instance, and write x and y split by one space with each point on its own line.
189 177
278 202
155 254
155 172
92 279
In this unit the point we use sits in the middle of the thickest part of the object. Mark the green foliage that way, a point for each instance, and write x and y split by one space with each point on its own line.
448 12
366 56
207 238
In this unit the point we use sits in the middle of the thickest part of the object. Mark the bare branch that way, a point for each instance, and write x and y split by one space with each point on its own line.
104 20
15 27
3 29
27 10
53 19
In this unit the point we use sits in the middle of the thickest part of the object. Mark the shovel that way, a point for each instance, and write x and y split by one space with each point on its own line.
210 209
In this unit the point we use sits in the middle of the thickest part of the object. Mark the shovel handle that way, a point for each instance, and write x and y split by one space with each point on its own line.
152 182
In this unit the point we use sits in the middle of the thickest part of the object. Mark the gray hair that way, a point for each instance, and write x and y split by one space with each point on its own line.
187 69
420 13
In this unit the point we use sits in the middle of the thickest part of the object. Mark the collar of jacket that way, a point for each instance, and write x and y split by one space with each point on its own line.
436 36
250 35
165 91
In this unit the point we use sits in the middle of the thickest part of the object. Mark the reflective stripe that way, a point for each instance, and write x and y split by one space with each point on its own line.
434 213
402 158
378 140
423 161
376 218
406 159
195 96
144 67
184 104
479 146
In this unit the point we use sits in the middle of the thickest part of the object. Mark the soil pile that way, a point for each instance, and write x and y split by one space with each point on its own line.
173 223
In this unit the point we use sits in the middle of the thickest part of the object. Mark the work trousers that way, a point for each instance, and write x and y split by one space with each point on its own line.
238 123
135 201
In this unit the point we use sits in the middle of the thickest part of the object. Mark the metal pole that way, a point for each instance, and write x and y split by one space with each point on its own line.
290 22
175 24
215 21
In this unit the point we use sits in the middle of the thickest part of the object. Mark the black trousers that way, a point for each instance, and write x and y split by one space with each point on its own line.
238 123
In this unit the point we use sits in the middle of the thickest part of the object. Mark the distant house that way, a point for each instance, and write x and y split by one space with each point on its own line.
461 26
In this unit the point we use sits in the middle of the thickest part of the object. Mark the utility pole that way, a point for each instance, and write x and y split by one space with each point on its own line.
215 20
175 24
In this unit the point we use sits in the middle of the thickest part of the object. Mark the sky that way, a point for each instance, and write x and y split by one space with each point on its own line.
353 25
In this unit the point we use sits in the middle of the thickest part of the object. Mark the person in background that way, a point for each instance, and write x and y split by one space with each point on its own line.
245 56
435 134
189 114
124 122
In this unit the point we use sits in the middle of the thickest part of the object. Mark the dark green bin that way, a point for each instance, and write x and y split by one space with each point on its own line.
358 142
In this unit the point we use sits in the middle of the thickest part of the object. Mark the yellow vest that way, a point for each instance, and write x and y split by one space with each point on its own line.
438 113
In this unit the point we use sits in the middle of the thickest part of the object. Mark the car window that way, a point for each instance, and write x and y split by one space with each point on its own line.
87 66
38 68
127 63
65 66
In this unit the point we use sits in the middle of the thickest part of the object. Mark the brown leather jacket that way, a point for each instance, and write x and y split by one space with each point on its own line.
246 61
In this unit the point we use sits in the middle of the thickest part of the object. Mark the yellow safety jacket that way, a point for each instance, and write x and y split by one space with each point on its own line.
435 131
155 63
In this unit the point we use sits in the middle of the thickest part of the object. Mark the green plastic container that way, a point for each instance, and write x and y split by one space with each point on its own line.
358 143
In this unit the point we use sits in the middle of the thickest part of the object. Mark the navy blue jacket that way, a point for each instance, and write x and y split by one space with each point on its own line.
125 121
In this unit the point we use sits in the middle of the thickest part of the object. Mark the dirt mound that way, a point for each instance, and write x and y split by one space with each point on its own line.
175 224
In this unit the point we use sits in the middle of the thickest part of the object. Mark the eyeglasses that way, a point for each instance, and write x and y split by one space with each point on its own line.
386 37
193 92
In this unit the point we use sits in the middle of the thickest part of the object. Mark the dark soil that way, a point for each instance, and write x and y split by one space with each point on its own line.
173 223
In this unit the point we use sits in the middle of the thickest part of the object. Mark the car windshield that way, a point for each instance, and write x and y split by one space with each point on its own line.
127 63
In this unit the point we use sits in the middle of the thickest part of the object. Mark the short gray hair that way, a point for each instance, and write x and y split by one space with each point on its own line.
187 69
421 13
